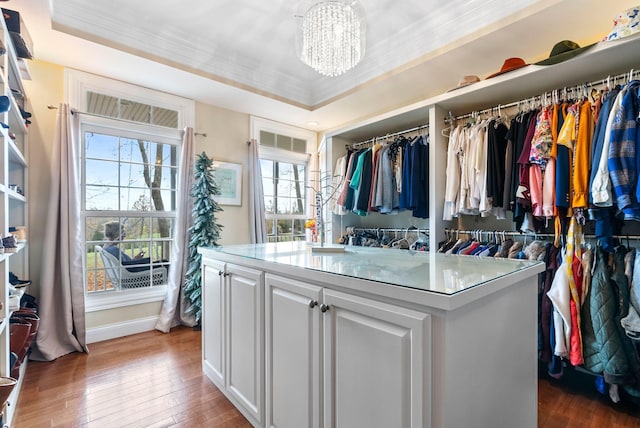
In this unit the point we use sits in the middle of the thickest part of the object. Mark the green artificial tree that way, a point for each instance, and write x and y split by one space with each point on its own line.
205 231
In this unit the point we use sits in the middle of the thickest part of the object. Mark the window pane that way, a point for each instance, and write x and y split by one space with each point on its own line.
300 170
166 177
101 198
164 117
270 224
299 146
160 154
137 112
135 199
285 227
298 206
94 229
266 167
288 188
103 173
267 139
132 175
132 150
298 226
109 106
267 186
101 104
269 206
137 227
283 142
284 206
163 200
162 228
100 146
298 189
285 170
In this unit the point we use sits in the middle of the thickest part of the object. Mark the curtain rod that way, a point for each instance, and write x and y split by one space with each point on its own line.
74 111
628 76
386 136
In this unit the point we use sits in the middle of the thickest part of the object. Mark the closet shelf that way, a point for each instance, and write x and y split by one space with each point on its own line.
13 74
15 155
15 196
605 58
16 119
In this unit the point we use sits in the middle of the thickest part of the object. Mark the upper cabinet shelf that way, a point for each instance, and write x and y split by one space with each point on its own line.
598 62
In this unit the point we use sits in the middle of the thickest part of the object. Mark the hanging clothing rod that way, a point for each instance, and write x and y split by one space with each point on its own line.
624 76
386 136
385 229
515 233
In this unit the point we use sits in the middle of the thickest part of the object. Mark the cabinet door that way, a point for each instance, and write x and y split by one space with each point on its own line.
245 339
292 353
213 321
376 364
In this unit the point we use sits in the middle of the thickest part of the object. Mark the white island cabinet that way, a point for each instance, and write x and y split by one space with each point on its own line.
371 337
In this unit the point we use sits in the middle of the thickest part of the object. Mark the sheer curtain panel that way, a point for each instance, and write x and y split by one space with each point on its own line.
61 300
173 311
257 222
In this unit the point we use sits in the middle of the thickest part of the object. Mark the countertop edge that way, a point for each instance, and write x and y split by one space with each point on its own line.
382 290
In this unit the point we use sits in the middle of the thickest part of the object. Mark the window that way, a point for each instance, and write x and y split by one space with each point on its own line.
284 185
129 179
285 178
129 150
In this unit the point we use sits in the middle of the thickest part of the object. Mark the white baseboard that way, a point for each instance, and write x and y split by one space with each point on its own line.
121 329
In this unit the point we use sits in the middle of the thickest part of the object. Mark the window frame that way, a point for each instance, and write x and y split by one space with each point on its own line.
309 158
77 85
285 156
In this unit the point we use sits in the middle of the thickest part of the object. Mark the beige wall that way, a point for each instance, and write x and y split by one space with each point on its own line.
227 134
226 141
45 87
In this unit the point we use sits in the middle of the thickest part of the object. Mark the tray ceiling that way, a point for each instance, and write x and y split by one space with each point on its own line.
240 54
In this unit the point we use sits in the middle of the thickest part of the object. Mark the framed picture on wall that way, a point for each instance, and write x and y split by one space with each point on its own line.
228 177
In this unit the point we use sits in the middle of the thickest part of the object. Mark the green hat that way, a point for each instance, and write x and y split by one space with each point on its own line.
563 51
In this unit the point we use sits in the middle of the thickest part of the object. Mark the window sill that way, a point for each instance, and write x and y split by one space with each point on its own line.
124 298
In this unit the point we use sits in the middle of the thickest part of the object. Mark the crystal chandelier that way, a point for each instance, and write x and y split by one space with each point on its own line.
331 38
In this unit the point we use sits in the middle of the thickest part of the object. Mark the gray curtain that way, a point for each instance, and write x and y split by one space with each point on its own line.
173 311
61 300
257 226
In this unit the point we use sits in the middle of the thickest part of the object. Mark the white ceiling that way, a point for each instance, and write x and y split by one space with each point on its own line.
240 54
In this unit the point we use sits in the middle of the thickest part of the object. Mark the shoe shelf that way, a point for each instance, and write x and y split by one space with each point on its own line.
16 196
14 156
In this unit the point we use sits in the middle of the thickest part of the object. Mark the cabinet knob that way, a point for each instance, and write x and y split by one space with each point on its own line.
220 273
226 274
313 304
324 308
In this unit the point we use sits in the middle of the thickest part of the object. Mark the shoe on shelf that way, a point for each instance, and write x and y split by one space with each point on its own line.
10 244
25 114
17 282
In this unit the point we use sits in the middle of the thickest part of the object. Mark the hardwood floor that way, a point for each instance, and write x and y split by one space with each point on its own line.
146 380
155 380
573 401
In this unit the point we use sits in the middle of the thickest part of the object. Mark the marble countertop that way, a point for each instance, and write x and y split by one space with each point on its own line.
438 273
